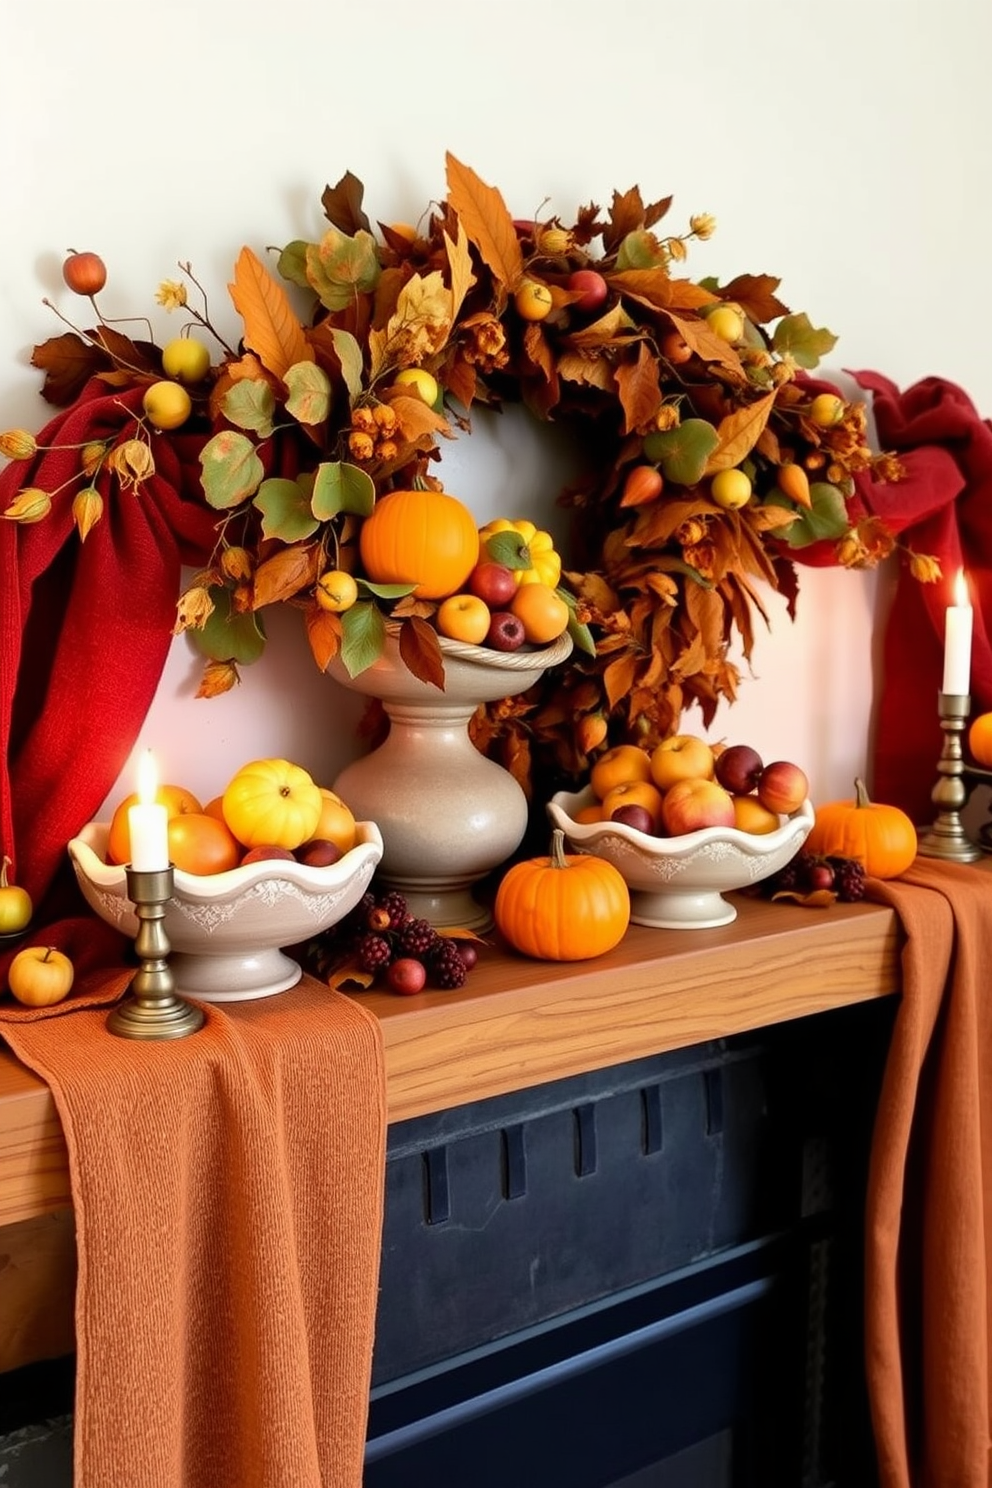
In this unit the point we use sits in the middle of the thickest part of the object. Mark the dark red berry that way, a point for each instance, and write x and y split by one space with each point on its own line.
820 876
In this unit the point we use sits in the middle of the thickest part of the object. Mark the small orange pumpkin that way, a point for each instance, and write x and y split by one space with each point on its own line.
427 538
563 908
881 837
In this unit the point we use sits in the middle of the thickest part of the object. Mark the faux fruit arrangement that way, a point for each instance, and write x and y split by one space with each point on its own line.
685 784
270 808
381 943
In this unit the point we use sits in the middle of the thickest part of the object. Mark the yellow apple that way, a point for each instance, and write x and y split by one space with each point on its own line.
167 404
336 591
15 904
464 617
186 359
731 489
533 300
40 975
681 757
421 381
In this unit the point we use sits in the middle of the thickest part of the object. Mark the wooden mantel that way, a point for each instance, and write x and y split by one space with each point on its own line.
519 1023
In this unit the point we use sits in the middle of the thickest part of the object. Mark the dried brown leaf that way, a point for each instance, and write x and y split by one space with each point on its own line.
704 607
271 327
639 388
285 574
349 974
755 293
324 635
618 678
818 899
738 433
706 344
460 266
484 215
593 371
68 363
216 678
343 205
420 651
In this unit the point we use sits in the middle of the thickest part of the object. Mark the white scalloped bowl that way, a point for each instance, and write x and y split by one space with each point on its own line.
227 930
678 883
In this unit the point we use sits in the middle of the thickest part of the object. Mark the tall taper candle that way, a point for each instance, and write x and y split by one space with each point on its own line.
148 822
957 641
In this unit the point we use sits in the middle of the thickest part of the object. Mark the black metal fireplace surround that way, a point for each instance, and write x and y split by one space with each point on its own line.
646 1277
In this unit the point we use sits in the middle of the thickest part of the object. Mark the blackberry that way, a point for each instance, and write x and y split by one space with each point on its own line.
447 969
395 906
373 952
416 938
849 879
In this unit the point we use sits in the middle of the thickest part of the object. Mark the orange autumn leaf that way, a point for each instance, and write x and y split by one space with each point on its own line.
484 215
271 327
739 433
324 635
283 575
639 389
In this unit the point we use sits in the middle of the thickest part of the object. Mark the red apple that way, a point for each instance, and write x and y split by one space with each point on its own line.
638 817
506 631
690 805
319 853
738 768
593 287
266 850
783 787
407 975
84 273
493 582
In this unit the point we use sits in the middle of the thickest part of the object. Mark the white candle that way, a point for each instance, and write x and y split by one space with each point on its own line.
148 822
957 641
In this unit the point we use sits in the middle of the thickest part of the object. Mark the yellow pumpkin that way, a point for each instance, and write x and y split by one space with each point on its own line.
563 908
540 563
426 538
881 837
272 802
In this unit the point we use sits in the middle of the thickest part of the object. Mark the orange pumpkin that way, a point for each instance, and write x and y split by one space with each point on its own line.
881 837
427 538
563 908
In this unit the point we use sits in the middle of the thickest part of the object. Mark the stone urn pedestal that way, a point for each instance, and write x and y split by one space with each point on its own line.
447 814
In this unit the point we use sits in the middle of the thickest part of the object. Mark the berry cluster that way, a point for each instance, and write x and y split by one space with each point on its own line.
380 935
808 872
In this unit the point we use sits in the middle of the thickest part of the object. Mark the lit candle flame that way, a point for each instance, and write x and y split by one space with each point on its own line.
960 588
147 779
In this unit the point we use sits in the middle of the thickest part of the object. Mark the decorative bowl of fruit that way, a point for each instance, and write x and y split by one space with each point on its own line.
682 830
238 904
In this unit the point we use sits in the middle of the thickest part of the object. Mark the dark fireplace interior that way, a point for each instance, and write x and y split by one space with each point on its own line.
646 1277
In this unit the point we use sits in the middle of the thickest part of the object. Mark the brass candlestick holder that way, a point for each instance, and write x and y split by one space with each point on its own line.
153 1009
947 838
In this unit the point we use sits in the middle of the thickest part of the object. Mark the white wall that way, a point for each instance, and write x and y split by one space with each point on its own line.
843 149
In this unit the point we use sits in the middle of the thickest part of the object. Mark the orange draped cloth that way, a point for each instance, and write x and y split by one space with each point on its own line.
929 1215
228 1192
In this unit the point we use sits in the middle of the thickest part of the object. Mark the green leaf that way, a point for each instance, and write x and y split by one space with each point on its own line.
363 636
230 470
682 452
250 404
794 336
309 392
340 268
286 510
508 548
228 635
581 634
384 591
827 518
340 487
639 250
292 263
350 356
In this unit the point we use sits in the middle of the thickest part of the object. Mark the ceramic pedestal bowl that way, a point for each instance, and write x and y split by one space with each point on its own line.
678 883
227 930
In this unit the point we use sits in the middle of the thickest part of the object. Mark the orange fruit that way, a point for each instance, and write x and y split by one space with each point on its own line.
177 801
621 763
337 821
543 612
634 793
751 816
980 740
587 816
201 844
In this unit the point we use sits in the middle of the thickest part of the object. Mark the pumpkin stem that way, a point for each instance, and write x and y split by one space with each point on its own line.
4 881
861 794
556 857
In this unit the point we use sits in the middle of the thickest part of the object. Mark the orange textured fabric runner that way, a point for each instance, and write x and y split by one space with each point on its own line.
228 1192
929 1218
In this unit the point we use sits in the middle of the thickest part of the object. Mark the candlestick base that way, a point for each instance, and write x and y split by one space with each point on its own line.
153 1009
946 838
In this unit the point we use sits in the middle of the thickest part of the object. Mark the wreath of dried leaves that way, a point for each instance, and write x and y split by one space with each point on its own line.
303 425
